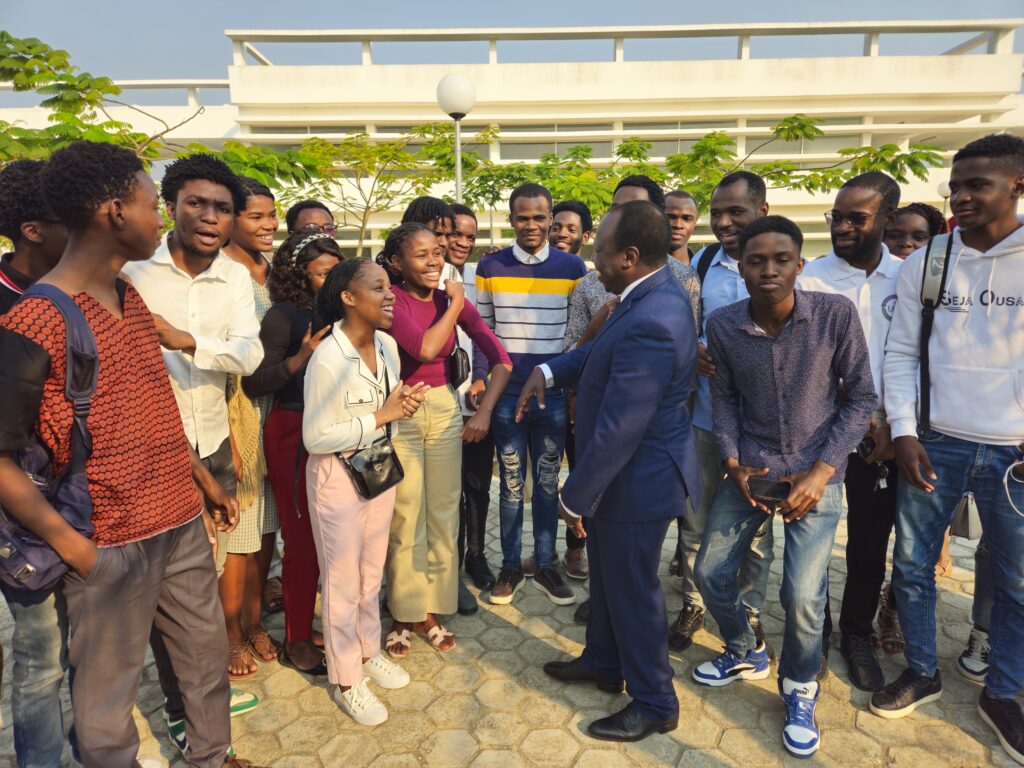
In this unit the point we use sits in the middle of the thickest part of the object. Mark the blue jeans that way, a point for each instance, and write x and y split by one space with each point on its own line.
40 658
920 522
543 432
731 527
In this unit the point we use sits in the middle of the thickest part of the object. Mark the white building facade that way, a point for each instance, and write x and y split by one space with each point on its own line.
873 91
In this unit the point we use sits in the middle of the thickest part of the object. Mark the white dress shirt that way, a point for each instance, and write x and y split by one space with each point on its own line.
342 394
217 307
531 258
874 296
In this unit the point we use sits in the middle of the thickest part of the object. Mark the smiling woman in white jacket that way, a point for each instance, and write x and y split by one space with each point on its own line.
351 392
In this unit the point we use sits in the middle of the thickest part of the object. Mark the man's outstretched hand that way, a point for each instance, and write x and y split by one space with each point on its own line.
534 387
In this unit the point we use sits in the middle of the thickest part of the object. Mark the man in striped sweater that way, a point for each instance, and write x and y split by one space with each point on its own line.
523 295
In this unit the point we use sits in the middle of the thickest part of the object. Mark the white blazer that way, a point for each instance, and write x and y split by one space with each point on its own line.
341 394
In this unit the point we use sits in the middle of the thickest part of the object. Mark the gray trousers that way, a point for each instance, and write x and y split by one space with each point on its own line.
168 583
757 560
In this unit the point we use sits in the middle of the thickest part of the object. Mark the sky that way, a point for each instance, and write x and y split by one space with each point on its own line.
150 40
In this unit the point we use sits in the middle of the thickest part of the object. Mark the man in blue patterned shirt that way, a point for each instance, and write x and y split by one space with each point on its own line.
781 357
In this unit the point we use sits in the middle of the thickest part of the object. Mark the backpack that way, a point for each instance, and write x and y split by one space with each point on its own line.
26 561
933 283
705 262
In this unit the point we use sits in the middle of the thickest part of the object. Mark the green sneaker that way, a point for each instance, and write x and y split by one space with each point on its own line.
242 702
176 733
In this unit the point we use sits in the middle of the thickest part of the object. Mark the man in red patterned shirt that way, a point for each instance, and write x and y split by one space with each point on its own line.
149 562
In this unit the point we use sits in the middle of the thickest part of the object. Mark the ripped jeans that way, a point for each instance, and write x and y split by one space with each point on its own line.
543 431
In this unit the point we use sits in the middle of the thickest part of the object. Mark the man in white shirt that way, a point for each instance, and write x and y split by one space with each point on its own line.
739 199
860 267
970 438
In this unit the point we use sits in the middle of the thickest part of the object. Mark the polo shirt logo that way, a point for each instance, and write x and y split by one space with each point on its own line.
889 306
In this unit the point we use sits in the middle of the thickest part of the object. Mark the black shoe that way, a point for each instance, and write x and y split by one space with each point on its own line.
687 624
582 615
320 670
479 571
755 624
629 725
467 603
823 669
549 581
905 694
865 671
1005 718
575 671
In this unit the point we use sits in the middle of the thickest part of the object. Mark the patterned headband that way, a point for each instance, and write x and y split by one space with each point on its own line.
307 240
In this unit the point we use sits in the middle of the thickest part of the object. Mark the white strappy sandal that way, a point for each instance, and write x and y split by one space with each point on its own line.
403 638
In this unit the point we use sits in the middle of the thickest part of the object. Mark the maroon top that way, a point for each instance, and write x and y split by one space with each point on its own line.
413 318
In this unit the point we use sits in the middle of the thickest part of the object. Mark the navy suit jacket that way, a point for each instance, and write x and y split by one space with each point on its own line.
635 454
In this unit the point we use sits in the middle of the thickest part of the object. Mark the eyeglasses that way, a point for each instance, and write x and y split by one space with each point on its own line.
310 229
856 220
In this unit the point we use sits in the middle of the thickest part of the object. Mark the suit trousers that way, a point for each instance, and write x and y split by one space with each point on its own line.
477 467
626 635
422 567
167 583
351 535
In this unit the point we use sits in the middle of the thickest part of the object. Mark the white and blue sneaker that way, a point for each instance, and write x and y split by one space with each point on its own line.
800 734
728 667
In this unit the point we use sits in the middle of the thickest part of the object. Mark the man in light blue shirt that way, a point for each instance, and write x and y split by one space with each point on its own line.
738 200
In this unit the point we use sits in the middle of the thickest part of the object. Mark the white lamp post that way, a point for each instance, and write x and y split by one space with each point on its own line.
456 95
944 192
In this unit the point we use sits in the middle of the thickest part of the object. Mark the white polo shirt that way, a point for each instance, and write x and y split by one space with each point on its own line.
874 296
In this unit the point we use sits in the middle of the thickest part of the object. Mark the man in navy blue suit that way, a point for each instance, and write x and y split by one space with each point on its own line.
635 466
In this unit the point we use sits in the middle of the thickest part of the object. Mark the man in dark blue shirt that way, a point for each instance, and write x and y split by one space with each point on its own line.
778 415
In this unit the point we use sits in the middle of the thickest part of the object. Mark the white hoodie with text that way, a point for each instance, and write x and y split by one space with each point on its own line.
976 346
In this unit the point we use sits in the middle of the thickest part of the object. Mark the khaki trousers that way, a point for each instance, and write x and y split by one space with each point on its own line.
422 565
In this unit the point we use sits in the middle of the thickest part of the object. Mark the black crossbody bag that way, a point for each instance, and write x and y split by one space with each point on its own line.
375 468
459 367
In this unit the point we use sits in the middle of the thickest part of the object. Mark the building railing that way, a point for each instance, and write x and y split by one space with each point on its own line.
190 86
995 34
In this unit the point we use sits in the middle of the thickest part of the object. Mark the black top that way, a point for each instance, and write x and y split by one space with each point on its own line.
281 333
10 276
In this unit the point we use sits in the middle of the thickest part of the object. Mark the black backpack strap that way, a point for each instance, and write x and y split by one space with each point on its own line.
81 367
933 283
706 258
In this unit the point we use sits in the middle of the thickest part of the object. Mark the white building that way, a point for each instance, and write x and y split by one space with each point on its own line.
870 92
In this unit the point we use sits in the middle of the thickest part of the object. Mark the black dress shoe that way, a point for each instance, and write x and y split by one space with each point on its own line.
582 615
865 671
479 571
629 725
467 603
576 671
320 670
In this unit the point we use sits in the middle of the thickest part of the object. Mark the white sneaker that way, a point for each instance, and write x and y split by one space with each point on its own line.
359 703
973 662
385 673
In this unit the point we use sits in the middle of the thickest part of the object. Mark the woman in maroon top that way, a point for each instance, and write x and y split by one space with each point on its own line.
422 570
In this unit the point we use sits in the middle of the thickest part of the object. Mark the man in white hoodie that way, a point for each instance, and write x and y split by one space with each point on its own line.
974 444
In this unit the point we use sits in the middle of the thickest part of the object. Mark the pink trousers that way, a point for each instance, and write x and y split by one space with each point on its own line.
351 536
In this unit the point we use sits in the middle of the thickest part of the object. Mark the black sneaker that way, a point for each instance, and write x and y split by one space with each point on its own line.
582 615
687 624
479 571
755 624
865 671
1004 716
505 588
905 694
467 603
549 581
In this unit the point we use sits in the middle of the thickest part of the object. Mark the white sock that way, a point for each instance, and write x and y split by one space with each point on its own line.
806 690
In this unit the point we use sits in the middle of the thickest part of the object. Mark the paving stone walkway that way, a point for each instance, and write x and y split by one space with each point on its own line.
488 704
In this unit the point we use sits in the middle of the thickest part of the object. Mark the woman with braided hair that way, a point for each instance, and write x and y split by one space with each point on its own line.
351 391
300 267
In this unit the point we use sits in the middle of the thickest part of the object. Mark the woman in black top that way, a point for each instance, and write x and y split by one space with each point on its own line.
300 268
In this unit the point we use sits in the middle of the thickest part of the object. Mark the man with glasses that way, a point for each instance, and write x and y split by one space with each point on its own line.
309 215
860 267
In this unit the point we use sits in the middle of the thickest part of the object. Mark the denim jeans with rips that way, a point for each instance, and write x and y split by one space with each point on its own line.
922 518
731 527
539 440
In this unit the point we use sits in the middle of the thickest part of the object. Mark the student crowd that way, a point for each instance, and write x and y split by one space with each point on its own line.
357 407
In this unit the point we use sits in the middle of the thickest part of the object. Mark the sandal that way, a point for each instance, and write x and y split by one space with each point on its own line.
889 630
437 636
395 641
273 595
240 655
262 646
